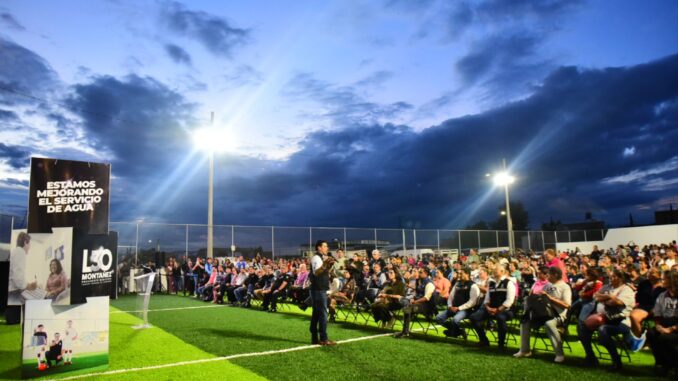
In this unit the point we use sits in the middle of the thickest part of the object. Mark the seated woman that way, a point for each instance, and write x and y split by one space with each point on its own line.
299 291
586 288
559 296
344 295
56 281
646 294
389 299
614 302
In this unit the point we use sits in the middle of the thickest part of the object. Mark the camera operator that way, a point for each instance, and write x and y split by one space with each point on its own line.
321 265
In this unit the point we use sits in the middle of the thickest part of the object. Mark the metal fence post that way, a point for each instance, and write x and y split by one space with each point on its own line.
438 232
344 240
479 245
232 240
186 241
569 236
585 239
375 239
310 239
414 239
273 242
529 242
543 242
136 247
404 246
497 238
459 240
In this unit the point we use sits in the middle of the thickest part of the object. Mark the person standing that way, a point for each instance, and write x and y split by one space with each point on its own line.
321 265
17 270
70 337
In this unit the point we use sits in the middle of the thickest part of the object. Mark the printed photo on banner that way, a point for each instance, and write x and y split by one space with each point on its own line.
59 339
40 266
66 193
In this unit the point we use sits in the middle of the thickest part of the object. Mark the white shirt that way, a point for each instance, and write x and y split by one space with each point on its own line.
316 263
70 334
472 301
17 269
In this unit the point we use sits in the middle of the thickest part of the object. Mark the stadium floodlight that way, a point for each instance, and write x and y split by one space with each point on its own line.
504 179
211 140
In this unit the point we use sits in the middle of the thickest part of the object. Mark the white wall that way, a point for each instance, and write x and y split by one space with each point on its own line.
642 235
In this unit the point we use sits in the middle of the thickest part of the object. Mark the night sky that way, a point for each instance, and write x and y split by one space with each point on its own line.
384 113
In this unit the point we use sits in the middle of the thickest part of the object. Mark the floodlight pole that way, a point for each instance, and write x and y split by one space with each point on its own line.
509 221
210 203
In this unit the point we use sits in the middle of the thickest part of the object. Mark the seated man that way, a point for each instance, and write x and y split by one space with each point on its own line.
423 303
345 295
278 290
501 295
267 281
244 292
615 301
559 296
219 283
237 279
663 338
54 353
460 303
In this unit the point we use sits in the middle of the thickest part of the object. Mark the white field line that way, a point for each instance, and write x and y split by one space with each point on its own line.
231 357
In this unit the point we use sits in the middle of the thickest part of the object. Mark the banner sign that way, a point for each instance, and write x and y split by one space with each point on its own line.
94 265
62 339
66 266
40 266
68 193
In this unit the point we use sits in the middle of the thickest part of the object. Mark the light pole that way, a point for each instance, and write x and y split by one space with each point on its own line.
211 140
504 178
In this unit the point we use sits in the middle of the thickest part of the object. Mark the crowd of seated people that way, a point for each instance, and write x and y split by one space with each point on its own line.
626 295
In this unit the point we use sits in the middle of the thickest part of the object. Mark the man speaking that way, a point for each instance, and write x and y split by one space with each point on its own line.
321 265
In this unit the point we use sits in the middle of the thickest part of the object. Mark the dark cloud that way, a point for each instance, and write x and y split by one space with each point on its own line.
459 16
178 54
25 77
503 61
9 21
138 119
16 156
564 143
214 32
8 116
343 104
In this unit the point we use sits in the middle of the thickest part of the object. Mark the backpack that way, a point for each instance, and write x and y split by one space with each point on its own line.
538 309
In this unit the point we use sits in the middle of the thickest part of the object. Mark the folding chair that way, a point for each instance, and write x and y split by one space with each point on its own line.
539 336
619 340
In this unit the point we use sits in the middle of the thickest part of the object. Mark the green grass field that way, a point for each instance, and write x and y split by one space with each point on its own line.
207 342
91 362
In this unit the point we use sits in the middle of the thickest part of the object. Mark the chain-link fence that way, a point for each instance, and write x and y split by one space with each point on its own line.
143 240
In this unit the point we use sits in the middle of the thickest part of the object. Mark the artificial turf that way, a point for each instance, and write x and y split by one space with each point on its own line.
91 362
207 333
